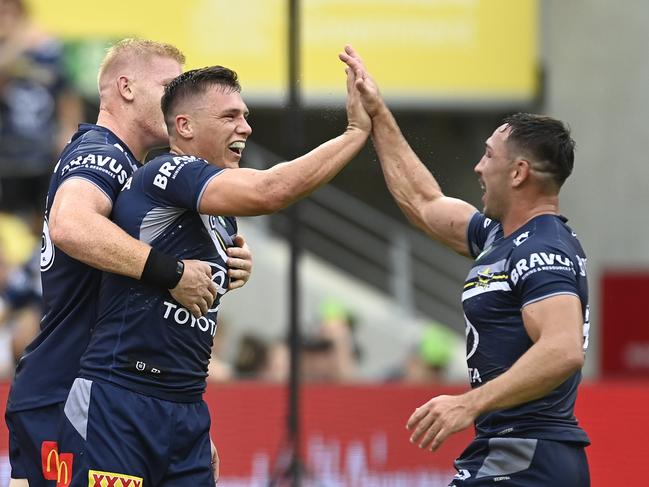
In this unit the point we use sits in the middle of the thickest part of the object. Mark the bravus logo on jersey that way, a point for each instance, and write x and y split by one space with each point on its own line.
97 160
169 170
541 261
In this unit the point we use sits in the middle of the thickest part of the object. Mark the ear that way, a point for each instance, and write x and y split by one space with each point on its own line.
184 126
521 172
125 87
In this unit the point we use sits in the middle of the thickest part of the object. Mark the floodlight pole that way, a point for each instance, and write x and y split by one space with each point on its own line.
296 135
291 466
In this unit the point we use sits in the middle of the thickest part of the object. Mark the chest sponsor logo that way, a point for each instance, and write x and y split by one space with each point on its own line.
97 478
56 466
182 316
541 261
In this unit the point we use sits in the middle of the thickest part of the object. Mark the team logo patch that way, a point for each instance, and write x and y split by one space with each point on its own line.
96 478
56 466
484 277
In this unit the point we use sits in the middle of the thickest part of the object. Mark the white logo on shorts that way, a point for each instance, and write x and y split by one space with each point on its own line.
462 474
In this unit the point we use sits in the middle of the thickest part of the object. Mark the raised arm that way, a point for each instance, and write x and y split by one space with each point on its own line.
412 185
245 192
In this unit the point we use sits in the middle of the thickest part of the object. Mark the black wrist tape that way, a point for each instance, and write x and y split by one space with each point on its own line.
162 270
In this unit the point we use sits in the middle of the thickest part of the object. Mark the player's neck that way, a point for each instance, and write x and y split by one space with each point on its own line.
524 210
125 133
174 148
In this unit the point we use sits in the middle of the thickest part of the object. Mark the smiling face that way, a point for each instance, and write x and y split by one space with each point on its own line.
494 171
220 128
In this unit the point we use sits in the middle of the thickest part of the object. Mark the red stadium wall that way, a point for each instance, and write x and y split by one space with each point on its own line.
625 324
355 436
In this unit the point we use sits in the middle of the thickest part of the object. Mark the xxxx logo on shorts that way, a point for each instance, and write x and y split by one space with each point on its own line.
56 466
97 478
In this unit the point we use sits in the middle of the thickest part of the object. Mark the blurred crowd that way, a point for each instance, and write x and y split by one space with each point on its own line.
329 351
39 110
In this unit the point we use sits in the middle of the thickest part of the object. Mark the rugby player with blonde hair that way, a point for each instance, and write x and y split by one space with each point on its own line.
79 241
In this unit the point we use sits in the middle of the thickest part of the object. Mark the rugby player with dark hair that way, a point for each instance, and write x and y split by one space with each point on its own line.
525 300
136 411
79 241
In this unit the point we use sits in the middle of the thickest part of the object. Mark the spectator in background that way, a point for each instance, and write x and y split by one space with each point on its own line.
252 357
432 360
277 362
20 290
38 109
20 309
318 360
335 341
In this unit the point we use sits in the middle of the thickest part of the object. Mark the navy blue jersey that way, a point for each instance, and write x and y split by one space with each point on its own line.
541 259
70 288
144 340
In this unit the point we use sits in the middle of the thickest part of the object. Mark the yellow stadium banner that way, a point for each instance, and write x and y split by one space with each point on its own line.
422 52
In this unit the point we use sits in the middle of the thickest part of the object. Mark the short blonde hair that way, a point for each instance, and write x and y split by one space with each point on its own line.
138 48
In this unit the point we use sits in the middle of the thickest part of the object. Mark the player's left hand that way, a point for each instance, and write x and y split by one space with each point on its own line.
440 417
215 462
239 263
367 88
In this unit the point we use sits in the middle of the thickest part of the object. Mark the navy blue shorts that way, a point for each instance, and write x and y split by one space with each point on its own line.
123 438
524 462
33 452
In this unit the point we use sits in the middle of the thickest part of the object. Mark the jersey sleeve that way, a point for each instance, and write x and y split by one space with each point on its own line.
481 232
107 167
180 182
541 271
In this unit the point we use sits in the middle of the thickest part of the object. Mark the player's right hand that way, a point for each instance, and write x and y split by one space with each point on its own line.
195 291
364 83
357 116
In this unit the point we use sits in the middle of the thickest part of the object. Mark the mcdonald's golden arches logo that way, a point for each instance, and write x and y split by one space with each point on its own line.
56 466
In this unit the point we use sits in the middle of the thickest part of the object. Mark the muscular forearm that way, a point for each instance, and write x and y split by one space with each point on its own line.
290 181
409 181
538 371
96 241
